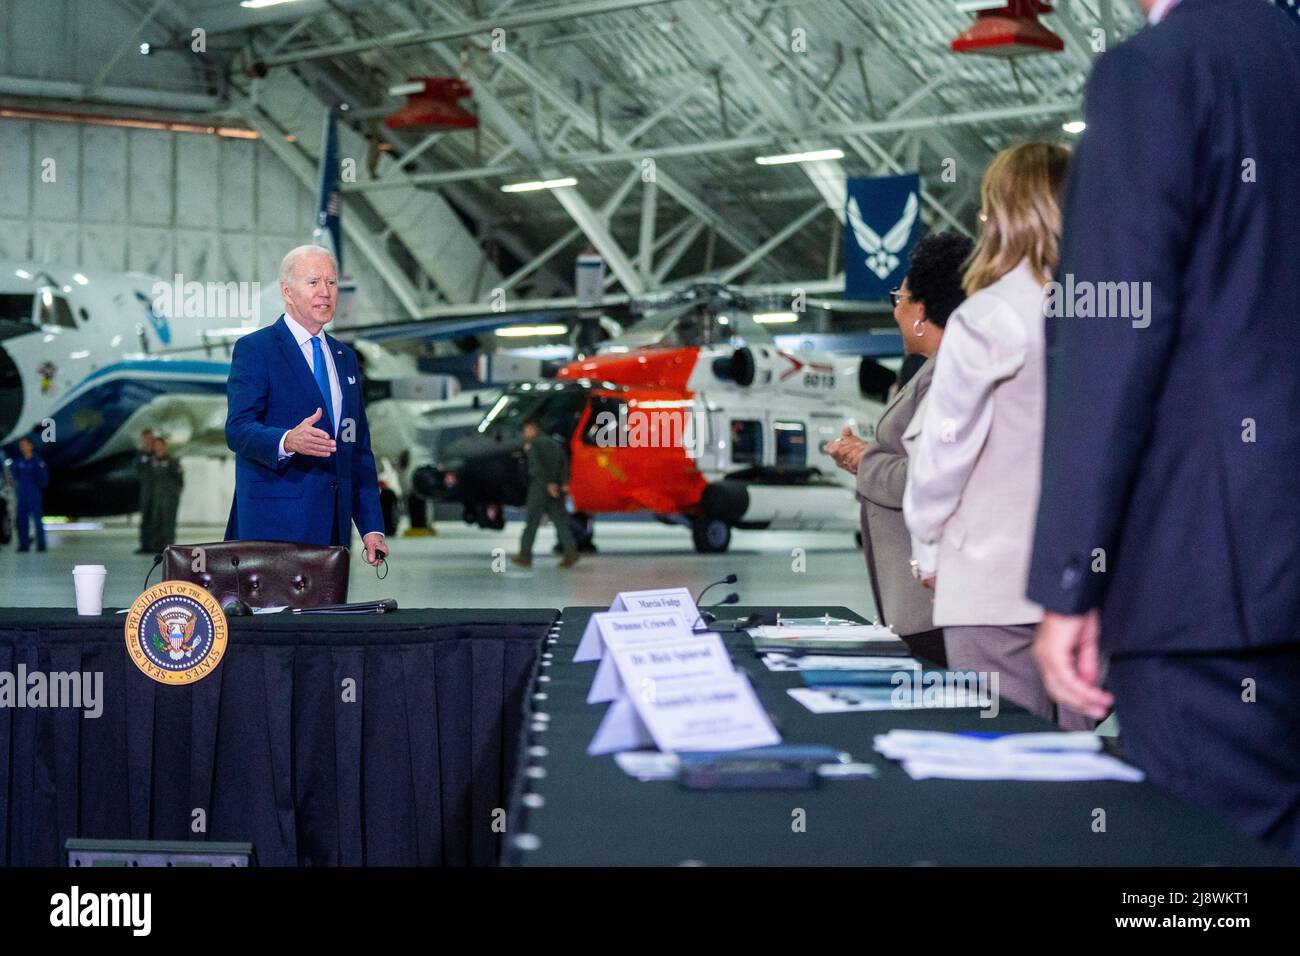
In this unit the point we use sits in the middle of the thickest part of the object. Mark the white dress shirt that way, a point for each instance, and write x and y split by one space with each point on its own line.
1160 10
303 338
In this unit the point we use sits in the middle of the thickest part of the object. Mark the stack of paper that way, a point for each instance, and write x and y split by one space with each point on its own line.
1046 756
872 639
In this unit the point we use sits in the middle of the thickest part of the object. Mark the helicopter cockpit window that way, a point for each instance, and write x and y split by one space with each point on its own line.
607 426
791 444
690 325
746 442
557 411
16 307
54 311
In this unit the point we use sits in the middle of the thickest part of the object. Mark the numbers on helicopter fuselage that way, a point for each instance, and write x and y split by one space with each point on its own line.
818 380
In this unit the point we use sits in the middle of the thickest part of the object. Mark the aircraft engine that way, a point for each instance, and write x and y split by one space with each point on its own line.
810 374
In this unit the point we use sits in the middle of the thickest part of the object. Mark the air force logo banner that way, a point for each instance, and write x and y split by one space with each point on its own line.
882 221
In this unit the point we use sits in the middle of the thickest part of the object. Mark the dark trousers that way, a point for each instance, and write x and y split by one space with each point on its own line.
927 645
539 503
30 511
1189 721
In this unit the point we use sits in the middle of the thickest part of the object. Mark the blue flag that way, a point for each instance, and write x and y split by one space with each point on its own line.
328 232
882 221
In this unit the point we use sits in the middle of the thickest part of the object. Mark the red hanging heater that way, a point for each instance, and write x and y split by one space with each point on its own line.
431 101
1007 28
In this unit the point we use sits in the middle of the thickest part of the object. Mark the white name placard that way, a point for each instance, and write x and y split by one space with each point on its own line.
591 648
636 664
715 713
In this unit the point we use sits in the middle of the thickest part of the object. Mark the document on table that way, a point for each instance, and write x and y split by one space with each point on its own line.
842 700
1043 756
816 662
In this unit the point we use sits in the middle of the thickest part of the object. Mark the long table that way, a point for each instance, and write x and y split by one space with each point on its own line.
412 767
571 809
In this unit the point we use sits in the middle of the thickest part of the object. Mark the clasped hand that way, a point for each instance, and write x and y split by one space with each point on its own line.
847 450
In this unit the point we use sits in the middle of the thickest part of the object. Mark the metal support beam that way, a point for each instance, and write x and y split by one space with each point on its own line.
539 260
128 44
674 254
584 122
719 34
596 229
646 244
465 28
743 143
115 95
785 233
366 241
410 156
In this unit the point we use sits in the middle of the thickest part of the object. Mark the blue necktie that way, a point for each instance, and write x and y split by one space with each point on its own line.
323 383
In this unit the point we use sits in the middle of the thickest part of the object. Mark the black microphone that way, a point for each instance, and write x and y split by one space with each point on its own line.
157 560
708 618
237 607
729 579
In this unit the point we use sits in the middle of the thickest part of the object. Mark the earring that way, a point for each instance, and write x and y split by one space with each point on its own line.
916 328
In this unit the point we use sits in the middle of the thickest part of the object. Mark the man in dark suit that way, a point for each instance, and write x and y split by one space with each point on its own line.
1168 531
296 422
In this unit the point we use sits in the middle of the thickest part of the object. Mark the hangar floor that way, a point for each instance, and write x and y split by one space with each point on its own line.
456 568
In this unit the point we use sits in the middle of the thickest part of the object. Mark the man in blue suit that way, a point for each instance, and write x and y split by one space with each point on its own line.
296 422
1168 529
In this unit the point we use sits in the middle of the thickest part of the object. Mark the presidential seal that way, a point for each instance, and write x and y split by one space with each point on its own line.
176 633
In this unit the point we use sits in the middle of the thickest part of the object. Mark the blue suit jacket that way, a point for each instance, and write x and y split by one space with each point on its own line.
271 389
1175 448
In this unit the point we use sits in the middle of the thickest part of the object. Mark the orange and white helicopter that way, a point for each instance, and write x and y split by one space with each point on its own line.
693 415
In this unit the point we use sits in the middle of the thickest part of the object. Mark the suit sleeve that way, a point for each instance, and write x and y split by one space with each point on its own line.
1128 214
984 344
882 474
247 391
366 513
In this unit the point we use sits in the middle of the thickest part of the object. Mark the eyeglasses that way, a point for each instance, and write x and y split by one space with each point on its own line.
898 295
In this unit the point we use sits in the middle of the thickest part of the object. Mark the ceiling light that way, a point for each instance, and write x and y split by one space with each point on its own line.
1074 126
539 184
775 318
808 157
520 331
81 280
258 4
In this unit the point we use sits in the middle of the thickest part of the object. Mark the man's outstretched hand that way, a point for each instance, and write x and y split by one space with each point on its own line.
306 439
375 548
1067 649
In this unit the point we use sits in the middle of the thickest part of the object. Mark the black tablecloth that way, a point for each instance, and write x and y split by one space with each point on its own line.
572 809
265 749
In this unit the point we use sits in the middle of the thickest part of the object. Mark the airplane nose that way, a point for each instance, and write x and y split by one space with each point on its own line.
11 394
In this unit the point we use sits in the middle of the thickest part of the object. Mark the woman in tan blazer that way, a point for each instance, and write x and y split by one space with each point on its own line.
922 305
976 446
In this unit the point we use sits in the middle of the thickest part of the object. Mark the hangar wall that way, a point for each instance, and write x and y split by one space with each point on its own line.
211 208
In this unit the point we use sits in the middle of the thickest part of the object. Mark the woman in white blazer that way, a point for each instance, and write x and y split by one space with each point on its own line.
976 445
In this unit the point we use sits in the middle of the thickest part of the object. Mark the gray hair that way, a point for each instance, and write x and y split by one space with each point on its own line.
296 253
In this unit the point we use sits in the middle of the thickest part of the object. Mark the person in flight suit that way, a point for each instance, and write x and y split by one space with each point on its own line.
167 480
144 476
547 478
31 477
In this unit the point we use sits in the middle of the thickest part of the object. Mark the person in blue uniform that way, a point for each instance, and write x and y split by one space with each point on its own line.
30 478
